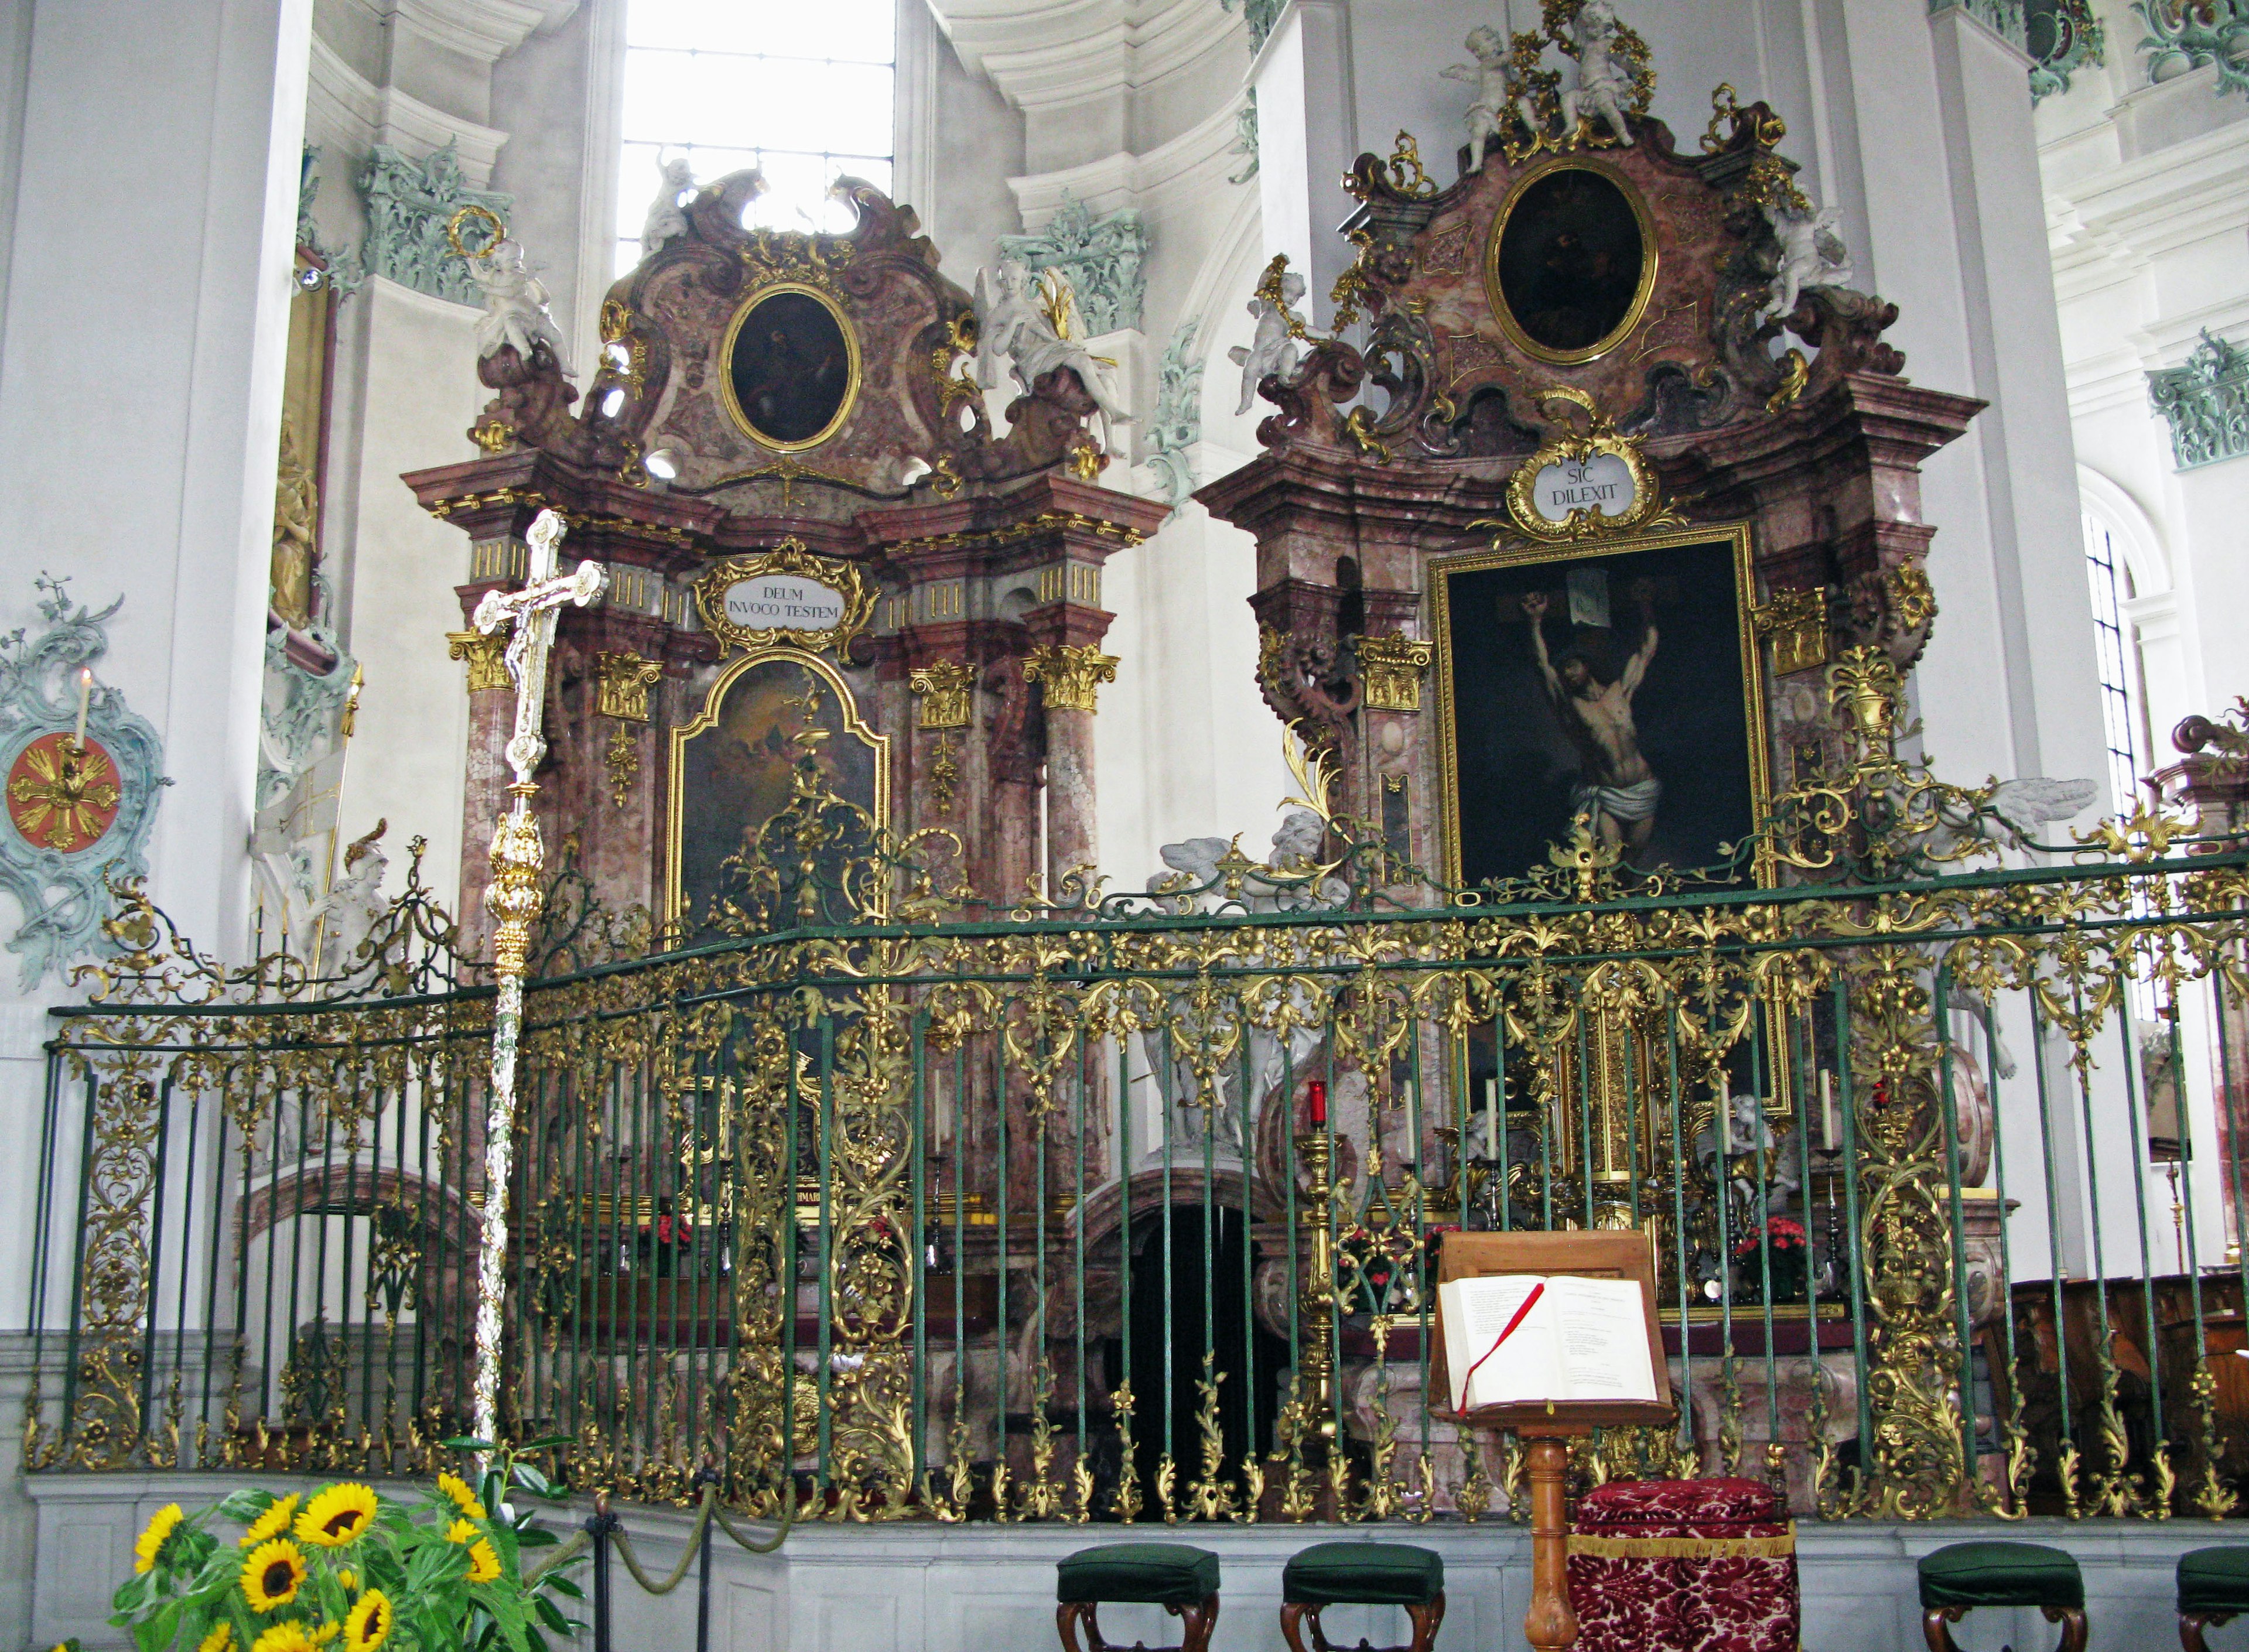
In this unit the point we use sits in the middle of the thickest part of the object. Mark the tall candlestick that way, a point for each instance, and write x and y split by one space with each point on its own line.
1315 1094
84 688
1491 1118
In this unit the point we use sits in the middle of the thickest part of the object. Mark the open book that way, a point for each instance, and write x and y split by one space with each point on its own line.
1580 1339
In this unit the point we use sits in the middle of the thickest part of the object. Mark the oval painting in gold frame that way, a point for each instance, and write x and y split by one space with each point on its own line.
1570 260
791 367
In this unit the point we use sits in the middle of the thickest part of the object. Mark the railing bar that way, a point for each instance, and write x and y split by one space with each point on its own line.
1125 1468
1764 1082
153 1304
1803 1049
1005 1170
825 1328
962 1119
918 1169
2227 1108
2157 1429
1846 1106
211 1280
2005 1286
2104 1353
1171 1325
186 1261
1423 1287
792 1241
1956 1207
2055 1262
1686 1435
77 1258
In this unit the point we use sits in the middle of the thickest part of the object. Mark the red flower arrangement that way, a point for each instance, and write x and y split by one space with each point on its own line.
1782 1233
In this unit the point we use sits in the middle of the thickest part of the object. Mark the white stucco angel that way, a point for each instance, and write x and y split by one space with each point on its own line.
1272 349
348 913
1602 84
665 219
515 306
1500 103
1011 322
1811 254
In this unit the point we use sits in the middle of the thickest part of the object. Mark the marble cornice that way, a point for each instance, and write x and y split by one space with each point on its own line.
1179 170
343 105
2102 227
1068 52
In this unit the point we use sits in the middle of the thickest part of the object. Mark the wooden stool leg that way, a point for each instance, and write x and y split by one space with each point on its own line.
1068 1615
1426 1616
1196 1623
1934 1630
2192 1624
1292 1615
2072 1619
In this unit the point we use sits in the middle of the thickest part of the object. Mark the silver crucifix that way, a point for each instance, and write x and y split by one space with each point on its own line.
514 898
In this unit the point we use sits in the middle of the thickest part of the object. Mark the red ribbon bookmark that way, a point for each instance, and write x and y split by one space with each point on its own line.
1536 1291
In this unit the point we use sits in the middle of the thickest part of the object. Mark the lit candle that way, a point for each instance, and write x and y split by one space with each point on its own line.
84 688
1491 1118
1316 1095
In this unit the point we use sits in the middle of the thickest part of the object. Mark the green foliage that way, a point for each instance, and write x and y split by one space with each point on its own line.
347 1570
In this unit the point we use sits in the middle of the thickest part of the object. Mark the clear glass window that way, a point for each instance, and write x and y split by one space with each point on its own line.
801 92
2116 651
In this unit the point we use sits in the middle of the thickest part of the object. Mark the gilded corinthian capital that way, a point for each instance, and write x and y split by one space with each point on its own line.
1068 674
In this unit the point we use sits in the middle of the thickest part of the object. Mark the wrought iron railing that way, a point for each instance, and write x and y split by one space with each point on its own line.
891 1207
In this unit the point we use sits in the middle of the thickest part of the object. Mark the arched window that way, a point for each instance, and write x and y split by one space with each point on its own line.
801 91
2116 651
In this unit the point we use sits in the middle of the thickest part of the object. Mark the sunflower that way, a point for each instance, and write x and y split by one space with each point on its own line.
274 1523
285 1637
484 1561
326 1633
368 1624
337 1515
271 1576
150 1543
349 1578
463 1499
220 1638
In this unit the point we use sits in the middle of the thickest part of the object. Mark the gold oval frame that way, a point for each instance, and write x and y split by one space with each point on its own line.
1651 257
775 289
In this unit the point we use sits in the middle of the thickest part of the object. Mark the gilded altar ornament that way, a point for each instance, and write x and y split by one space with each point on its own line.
1796 621
485 656
1563 491
623 680
1391 667
493 436
942 692
944 774
1068 675
1912 598
785 596
1795 374
621 759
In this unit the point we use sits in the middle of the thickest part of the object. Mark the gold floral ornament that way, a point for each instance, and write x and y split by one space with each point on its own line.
1069 675
63 794
338 1516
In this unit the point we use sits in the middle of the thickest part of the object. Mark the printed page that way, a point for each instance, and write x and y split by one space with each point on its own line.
1602 1326
1527 1367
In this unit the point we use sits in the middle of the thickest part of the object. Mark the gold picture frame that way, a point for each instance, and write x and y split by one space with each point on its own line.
850 722
1442 571
1650 257
854 377
790 556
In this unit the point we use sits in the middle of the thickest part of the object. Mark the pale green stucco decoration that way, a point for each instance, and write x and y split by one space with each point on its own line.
2002 17
409 203
1178 423
2182 35
345 272
1102 256
1245 137
2206 401
2062 36
1260 16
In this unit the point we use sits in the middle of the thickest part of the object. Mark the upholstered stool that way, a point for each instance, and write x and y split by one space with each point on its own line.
2213 1585
1965 1575
1683 1566
1183 1580
1362 1574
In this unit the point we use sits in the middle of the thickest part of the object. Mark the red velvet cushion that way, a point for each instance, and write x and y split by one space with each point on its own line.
1715 1507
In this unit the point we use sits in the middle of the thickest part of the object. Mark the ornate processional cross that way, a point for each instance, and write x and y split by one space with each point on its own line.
514 898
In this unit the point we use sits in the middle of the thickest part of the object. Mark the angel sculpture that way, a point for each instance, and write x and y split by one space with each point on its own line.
2012 817
1273 348
665 219
1501 101
515 306
1602 84
1753 1148
1811 254
350 910
1011 322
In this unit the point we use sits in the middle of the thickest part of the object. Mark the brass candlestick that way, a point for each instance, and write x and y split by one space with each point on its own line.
1318 1293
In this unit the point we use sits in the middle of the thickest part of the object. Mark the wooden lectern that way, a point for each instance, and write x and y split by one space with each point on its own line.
1545 1428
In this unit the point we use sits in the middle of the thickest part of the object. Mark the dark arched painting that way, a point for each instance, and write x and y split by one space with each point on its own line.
790 368
1570 260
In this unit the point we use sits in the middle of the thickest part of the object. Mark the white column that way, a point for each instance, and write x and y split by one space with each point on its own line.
1307 137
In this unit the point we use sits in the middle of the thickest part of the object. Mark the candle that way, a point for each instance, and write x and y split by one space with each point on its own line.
1831 1130
1317 1095
1491 1118
84 688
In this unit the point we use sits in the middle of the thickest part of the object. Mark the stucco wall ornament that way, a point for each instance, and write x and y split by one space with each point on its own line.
2182 35
409 205
2206 401
2062 36
1102 256
83 773
1178 423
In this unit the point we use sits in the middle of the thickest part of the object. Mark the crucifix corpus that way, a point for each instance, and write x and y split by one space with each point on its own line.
514 899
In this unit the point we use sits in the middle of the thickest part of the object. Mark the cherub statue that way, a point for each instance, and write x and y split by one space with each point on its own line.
2017 809
1011 322
665 219
1501 101
1296 849
352 907
1602 84
515 306
1750 1145
1273 348
1811 254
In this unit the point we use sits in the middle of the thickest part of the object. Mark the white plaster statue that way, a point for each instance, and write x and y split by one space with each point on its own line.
1602 84
665 219
352 907
515 306
2019 808
1500 102
1011 322
1747 1136
1272 349
1811 254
